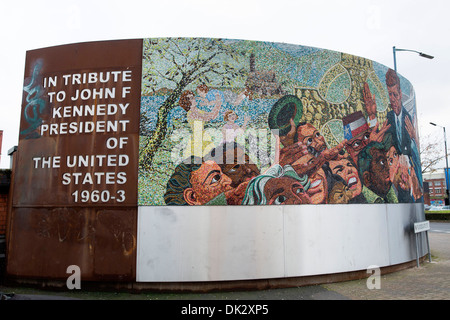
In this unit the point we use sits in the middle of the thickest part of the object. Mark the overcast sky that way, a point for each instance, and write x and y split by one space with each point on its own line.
360 27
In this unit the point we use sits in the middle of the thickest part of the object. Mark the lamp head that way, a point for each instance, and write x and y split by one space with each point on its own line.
424 55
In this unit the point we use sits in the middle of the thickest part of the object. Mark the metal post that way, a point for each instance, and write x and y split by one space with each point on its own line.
417 250
446 164
428 247
395 60
446 169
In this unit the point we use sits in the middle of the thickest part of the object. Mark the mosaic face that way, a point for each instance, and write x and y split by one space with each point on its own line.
395 97
378 178
340 194
239 169
285 190
355 145
393 161
312 138
348 172
318 188
207 183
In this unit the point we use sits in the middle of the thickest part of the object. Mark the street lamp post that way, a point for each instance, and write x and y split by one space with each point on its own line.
446 164
423 55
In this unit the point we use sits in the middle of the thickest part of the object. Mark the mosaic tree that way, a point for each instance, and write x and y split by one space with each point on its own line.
172 64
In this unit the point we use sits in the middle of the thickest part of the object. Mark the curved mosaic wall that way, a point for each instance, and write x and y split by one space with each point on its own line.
233 122
164 158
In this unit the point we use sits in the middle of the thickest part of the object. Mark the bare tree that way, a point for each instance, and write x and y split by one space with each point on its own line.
431 152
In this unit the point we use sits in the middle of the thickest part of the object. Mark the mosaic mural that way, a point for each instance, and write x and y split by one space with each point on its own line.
234 122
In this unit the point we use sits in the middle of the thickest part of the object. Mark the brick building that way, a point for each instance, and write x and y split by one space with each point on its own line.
437 186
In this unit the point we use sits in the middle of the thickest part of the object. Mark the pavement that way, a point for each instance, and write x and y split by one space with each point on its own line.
429 281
